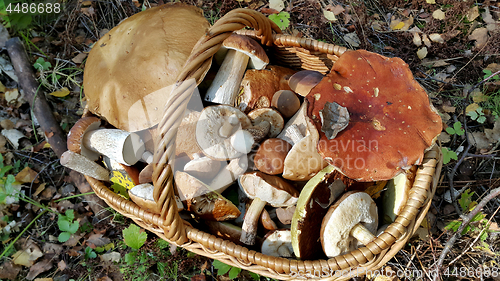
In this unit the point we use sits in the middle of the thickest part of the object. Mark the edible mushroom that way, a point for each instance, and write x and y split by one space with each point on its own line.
303 81
349 223
83 165
286 102
392 123
226 84
214 129
396 194
142 195
268 115
134 101
201 200
278 243
86 138
263 189
314 201
270 156
202 167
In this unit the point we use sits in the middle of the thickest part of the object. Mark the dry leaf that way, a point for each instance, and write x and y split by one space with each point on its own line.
473 13
38 268
439 14
60 93
478 97
447 108
98 240
444 137
11 95
44 279
112 257
27 175
422 52
79 58
430 1
399 25
278 5
487 18
435 37
493 135
61 265
480 35
8 270
105 278
89 12
27 256
337 10
329 15
479 140
353 39
417 40
471 107
51 248
2 87
426 40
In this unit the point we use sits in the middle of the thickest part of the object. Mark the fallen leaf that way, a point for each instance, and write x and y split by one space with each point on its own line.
28 255
112 257
422 52
79 58
430 1
27 175
480 35
398 26
329 15
105 278
98 240
447 108
417 40
493 135
74 239
8 270
337 10
278 5
435 37
44 279
479 140
60 93
38 268
199 277
51 248
39 189
473 13
491 24
444 137
471 107
478 97
11 95
353 39
2 87
61 265
426 40
439 14
90 12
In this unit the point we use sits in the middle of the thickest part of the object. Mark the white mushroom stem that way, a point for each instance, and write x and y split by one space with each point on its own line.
122 146
225 87
84 165
244 140
229 174
249 228
362 234
227 128
147 157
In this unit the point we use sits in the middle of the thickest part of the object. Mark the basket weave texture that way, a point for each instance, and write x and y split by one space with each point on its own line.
292 52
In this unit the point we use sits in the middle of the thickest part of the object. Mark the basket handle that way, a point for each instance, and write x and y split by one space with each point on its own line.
192 74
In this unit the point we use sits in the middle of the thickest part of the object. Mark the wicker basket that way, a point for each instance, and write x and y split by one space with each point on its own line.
292 52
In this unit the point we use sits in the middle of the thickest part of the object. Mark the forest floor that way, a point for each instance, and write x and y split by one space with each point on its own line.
49 232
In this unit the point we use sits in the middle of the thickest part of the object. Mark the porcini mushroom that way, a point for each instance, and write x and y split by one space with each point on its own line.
388 110
226 84
185 143
266 221
142 195
313 203
303 81
350 222
214 129
135 102
269 115
396 194
83 165
202 168
229 174
202 201
278 243
286 102
259 86
270 156
263 189
86 138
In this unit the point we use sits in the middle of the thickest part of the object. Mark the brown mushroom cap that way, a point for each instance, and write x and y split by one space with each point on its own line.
303 81
391 124
270 156
250 47
286 102
75 136
122 70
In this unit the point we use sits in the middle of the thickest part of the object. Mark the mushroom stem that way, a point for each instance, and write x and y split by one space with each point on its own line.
249 228
224 88
83 165
284 252
227 128
229 174
260 131
242 141
147 157
362 234
122 146
295 133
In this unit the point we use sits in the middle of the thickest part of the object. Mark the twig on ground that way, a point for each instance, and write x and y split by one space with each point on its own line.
494 193
41 109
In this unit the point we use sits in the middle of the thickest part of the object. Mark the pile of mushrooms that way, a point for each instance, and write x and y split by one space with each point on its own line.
280 161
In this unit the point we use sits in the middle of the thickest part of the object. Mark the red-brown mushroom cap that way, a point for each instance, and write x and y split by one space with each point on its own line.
391 124
75 136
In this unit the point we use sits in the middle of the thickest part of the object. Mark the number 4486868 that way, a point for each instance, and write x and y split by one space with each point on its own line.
33 8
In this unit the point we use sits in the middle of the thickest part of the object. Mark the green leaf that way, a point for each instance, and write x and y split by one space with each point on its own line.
281 19
478 217
64 236
221 267
63 223
481 119
454 225
487 73
89 253
448 155
450 131
457 126
254 276
130 258
234 272
465 200
41 64
134 237
70 215
484 236
472 114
